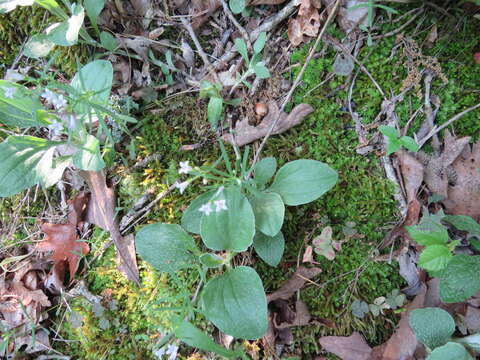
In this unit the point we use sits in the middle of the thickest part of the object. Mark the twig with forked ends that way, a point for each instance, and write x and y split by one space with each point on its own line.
437 129
204 57
296 82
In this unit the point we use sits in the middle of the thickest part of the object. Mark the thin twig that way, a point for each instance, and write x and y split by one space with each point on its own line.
239 27
429 111
399 29
296 82
437 129
204 57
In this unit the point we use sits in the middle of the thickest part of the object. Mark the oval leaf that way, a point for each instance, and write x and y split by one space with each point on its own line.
166 246
450 351
236 303
38 46
108 41
269 212
237 6
264 170
435 257
88 157
432 326
66 33
192 216
25 161
460 279
302 181
270 249
231 229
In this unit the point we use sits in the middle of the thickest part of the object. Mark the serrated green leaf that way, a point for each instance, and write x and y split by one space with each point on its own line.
269 212
38 46
409 143
460 279
196 338
235 302
231 229
261 71
269 248
25 161
264 170
22 108
432 326
393 145
260 42
192 216
88 156
428 232
241 47
214 111
108 41
450 351
237 6
302 181
463 223
435 257
166 246
389 131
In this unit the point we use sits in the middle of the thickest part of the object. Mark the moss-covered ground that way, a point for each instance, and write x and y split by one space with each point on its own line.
363 196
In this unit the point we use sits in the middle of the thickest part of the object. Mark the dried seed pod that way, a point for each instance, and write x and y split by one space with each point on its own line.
261 109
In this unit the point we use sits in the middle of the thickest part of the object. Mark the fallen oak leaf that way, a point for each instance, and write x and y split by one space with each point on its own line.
246 133
101 212
62 239
306 24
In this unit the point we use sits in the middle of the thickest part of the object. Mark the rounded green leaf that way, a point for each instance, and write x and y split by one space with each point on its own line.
25 161
192 216
460 279
264 170
261 70
269 212
214 111
302 181
95 78
66 33
435 257
260 42
108 41
38 46
450 351
269 248
166 246
237 6
432 326
231 229
235 302
88 156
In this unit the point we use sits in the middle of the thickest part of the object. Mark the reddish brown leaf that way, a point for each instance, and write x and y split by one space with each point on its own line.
412 173
63 240
353 347
306 24
246 133
101 212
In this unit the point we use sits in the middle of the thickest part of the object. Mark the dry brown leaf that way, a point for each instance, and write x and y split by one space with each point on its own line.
353 347
306 24
463 197
295 283
101 212
412 173
246 133
202 10
62 239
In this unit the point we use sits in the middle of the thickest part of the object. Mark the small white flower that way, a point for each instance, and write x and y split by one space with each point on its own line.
172 351
55 127
220 205
184 167
206 208
72 122
181 186
204 181
160 352
8 92
49 95
59 102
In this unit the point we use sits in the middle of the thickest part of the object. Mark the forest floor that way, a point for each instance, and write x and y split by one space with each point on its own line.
419 50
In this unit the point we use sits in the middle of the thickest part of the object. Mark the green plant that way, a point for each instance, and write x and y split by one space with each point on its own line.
457 276
216 102
395 141
393 300
237 211
255 65
434 328
77 117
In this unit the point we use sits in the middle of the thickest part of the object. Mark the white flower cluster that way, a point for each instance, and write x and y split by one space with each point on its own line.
170 350
207 208
58 101
56 128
